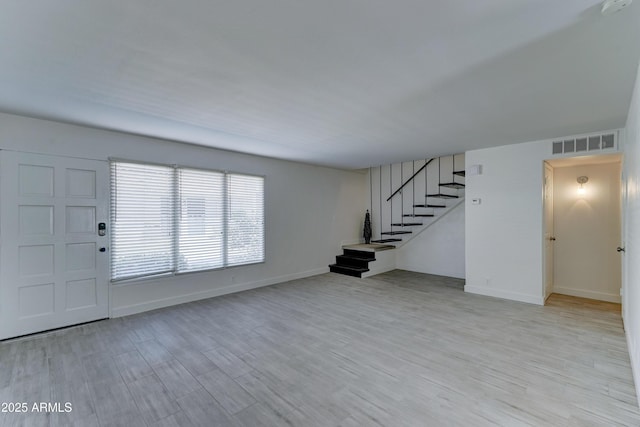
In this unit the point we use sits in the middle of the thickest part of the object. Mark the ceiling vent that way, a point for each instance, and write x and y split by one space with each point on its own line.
613 6
593 143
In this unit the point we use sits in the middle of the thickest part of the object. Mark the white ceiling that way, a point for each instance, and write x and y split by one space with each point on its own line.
344 83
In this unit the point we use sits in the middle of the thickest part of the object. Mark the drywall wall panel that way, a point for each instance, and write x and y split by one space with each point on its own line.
310 210
504 231
439 249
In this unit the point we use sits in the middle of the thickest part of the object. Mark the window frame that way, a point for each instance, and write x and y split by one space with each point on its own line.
176 220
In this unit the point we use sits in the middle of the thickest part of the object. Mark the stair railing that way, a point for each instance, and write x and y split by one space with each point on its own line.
390 209
408 180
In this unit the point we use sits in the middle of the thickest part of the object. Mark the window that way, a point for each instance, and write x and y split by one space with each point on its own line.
175 220
245 215
142 206
201 220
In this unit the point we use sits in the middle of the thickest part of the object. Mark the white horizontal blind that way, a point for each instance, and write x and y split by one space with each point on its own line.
142 210
175 220
201 220
245 216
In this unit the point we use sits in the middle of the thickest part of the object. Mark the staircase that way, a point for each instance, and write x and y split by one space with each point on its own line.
355 260
425 191
352 262
405 199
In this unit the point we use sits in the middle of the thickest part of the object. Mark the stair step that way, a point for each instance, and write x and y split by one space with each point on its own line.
428 205
347 261
455 185
405 224
418 215
393 233
386 241
363 255
442 196
459 173
347 271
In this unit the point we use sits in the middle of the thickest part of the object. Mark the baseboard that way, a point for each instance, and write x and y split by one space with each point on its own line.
601 296
635 368
422 269
498 293
239 287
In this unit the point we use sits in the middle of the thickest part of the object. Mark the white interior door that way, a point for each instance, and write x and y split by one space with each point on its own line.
548 230
53 263
623 233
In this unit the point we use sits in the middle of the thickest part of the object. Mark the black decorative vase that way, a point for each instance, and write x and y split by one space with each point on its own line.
367 228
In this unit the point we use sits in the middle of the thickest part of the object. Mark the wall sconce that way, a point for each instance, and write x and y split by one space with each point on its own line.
582 180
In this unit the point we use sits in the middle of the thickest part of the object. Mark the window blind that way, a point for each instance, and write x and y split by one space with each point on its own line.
245 213
175 220
142 205
201 220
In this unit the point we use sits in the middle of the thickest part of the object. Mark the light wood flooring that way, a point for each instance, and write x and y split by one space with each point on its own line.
397 349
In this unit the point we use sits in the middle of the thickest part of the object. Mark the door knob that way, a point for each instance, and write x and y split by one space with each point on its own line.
553 239
619 249
102 249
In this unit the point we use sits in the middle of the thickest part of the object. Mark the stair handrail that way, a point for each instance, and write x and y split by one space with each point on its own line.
409 180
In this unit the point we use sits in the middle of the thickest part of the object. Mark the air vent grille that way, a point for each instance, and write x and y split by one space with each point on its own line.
602 142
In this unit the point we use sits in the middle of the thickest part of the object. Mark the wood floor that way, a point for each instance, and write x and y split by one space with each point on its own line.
397 349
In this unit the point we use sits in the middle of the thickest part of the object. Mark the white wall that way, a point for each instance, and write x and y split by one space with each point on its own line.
587 231
631 284
439 249
310 210
504 233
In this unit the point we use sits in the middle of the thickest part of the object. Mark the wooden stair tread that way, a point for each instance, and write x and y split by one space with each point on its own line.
347 267
347 271
346 261
454 185
442 196
359 255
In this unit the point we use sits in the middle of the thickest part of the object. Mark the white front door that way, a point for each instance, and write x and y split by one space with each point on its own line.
53 264
548 230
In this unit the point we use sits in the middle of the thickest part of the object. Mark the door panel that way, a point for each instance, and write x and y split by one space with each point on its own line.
548 230
624 189
51 271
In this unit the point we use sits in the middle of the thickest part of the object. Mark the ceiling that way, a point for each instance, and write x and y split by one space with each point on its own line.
342 83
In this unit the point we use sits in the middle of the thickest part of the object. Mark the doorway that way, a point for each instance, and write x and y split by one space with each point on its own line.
54 259
582 217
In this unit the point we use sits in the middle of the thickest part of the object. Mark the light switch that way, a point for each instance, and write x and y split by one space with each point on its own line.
476 201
